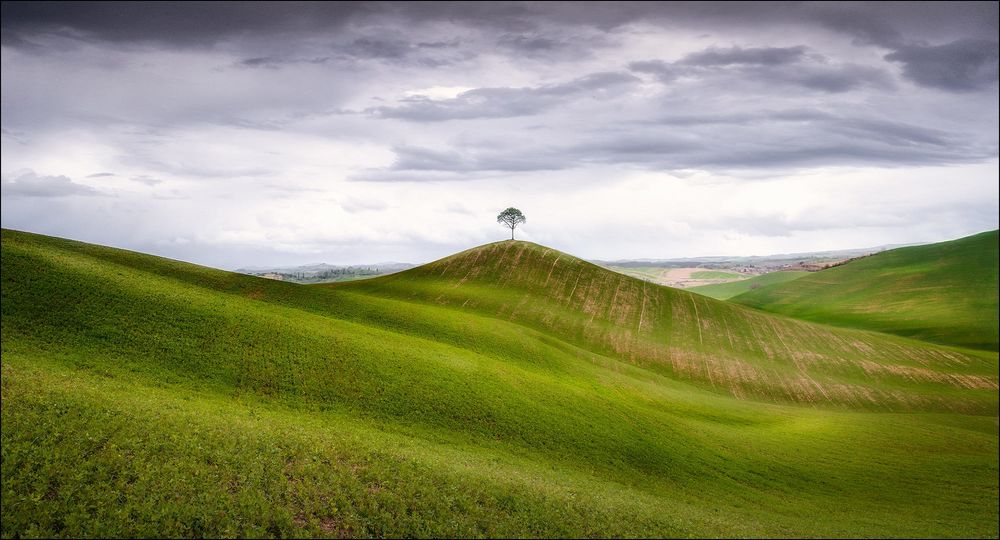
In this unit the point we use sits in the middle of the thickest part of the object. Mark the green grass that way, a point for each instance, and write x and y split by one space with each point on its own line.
716 274
725 291
944 293
510 390
649 273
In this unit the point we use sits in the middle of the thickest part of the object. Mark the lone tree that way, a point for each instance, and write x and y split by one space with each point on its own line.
511 217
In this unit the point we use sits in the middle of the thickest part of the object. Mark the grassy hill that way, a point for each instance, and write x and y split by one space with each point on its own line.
944 293
724 291
685 336
509 390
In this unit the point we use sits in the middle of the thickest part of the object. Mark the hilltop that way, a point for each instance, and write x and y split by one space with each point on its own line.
508 390
945 293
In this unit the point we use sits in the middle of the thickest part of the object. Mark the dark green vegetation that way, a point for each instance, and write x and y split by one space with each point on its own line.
508 390
724 291
944 293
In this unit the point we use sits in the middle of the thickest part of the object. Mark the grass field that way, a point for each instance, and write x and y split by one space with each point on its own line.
717 274
509 390
945 293
725 291
649 273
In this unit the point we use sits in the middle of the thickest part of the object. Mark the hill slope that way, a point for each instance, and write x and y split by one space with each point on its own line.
716 345
724 291
478 395
945 293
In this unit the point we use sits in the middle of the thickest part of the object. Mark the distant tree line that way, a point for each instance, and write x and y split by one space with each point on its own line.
338 272
327 275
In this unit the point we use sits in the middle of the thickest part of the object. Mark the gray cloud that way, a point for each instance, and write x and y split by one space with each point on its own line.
552 46
897 133
961 66
206 23
665 71
270 62
759 140
507 102
766 65
438 44
177 23
894 24
262 61
824 77
866 27
401 51
531 44
776 150
762 56
393 49
30 184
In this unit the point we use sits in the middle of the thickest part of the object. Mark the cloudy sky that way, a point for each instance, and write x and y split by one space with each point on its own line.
259 134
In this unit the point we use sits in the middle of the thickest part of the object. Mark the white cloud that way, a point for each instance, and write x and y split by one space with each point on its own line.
438 92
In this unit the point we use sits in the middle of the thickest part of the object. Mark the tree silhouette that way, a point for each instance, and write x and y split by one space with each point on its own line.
511 217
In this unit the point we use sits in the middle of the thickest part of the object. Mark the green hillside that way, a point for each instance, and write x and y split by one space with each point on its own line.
725 291
685 336
510 390
944 293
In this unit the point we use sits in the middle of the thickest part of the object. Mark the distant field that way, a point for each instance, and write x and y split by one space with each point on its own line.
508 390
724 291
715 274
679 277
945 292
650 273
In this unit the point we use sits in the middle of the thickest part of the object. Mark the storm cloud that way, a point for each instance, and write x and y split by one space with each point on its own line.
964 65
765 56
244 133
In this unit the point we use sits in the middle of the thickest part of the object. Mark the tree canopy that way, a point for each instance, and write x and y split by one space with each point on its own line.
511 218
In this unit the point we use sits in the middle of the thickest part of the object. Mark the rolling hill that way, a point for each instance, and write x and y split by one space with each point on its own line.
725 291
508 390
944 293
